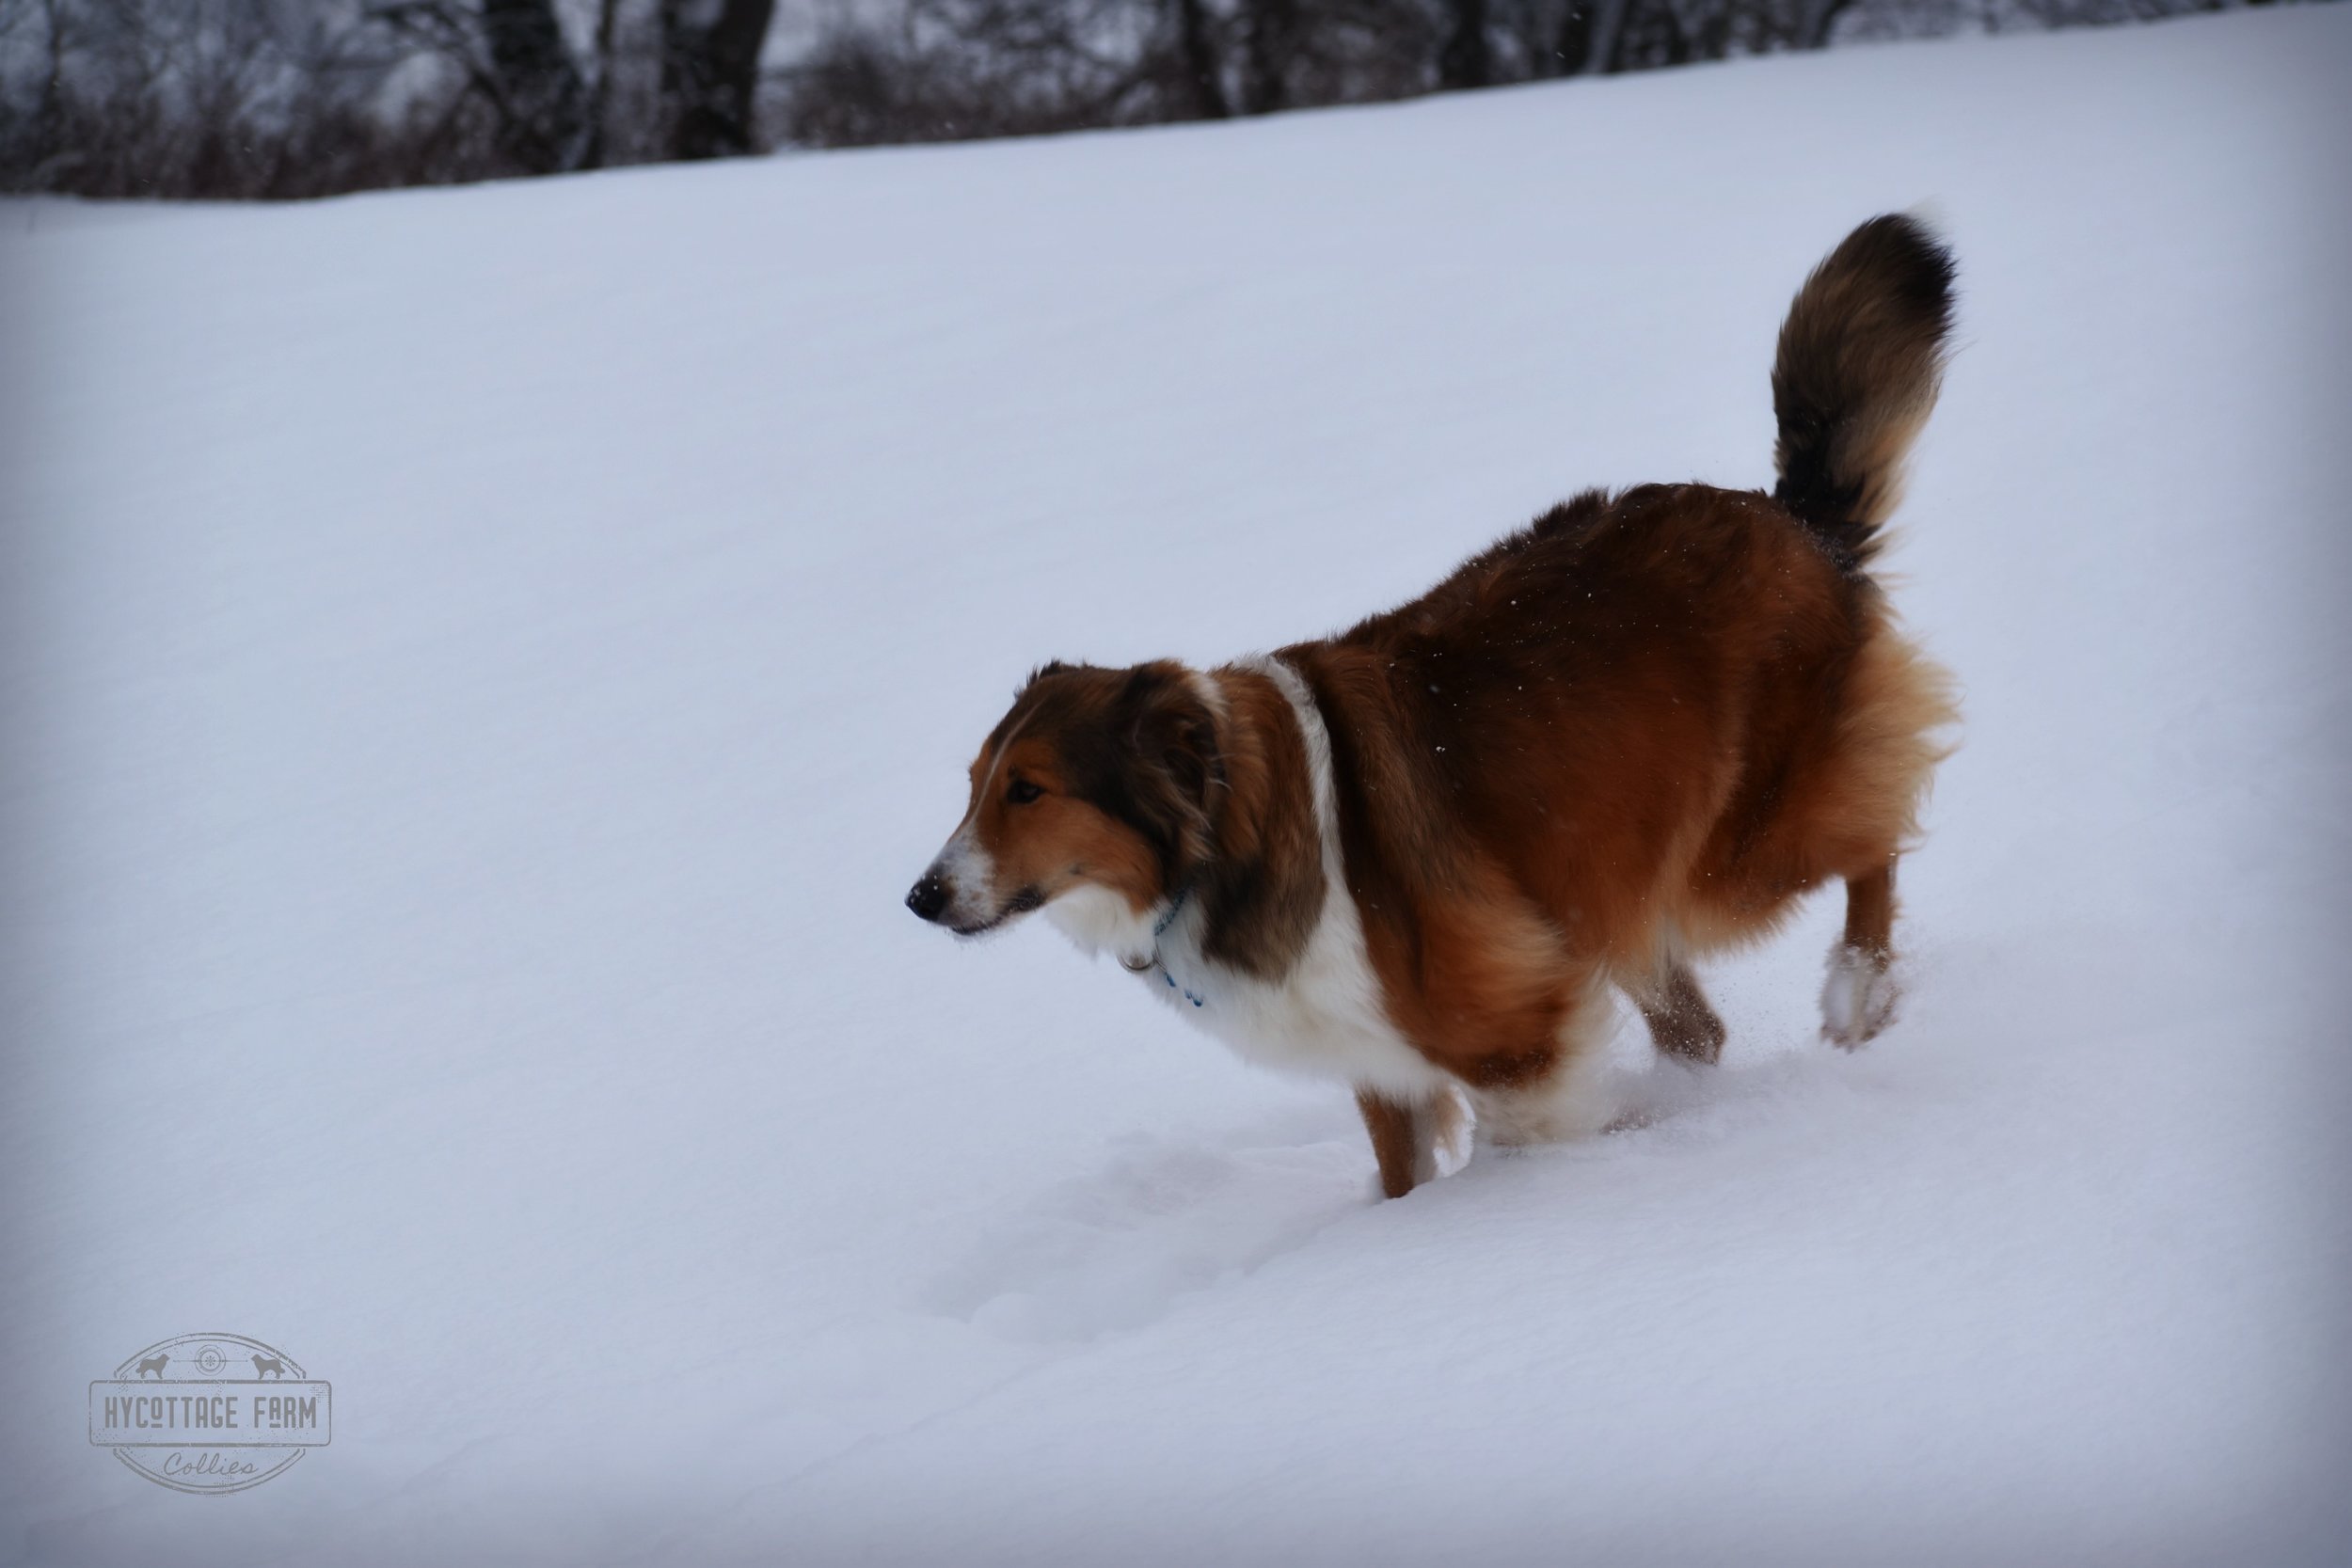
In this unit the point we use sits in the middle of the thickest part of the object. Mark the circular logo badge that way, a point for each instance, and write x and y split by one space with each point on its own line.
210 1413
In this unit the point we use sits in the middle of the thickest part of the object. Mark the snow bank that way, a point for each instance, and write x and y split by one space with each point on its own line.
481 668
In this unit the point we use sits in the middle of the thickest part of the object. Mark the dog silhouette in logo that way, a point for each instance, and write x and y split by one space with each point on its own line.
154 1363
264 1366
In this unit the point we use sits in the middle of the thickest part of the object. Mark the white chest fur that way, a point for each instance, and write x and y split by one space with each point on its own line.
1324 1018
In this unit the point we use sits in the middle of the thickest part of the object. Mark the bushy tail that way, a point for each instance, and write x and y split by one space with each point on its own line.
1861 356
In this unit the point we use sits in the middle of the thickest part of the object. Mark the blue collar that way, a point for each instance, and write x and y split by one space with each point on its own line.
1159 930
1159 927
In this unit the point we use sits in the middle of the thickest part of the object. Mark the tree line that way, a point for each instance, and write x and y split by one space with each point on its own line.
298 98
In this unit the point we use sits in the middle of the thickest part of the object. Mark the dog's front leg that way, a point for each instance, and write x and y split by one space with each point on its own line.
1405 1136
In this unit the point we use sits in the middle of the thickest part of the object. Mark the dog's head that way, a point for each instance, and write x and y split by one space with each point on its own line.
1098 783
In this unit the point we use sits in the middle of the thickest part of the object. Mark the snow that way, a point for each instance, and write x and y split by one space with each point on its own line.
481 668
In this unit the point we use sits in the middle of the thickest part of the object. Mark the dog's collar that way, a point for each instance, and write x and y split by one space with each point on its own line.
1145 962
1159 928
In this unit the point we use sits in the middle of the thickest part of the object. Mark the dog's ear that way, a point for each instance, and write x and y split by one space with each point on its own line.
1171 735
1051 667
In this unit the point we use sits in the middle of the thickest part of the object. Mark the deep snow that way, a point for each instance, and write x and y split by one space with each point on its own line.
482 667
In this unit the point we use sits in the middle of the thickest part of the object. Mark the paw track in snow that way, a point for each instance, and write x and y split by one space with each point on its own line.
1166 1216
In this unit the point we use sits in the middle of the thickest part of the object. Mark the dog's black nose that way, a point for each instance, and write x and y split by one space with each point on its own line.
928 897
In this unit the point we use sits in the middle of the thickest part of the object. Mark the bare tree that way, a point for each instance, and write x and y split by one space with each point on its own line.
545 100
1270 40
291 98
601 95
1465 61
1815 18
710 73
1204 70
512 54
1572 47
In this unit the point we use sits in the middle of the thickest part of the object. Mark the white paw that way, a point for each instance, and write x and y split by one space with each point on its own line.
1857 1000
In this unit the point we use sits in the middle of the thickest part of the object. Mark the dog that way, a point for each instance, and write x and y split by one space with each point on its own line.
1416 857
268 1365
154 1363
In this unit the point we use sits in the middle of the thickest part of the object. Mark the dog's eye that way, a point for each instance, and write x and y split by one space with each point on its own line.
1021 792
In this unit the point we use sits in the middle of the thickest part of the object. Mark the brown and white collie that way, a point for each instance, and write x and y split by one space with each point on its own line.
1415 857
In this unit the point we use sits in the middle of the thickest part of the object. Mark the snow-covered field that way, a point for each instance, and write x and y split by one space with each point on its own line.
481 668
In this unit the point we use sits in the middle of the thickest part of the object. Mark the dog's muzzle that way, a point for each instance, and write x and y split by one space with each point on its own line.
929 899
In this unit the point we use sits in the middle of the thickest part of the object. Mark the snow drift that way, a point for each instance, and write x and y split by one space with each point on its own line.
482 667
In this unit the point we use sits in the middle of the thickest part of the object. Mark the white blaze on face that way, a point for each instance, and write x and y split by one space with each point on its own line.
969 875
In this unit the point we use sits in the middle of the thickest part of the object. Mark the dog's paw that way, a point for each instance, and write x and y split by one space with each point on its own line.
1858 999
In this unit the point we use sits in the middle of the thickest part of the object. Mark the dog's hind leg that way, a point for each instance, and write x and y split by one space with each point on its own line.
1680 1021
1858 1000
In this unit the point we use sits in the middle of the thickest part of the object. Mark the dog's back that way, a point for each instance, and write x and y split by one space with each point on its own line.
1647 721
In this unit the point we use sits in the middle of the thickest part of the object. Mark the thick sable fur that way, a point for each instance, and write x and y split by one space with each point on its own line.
1415 856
